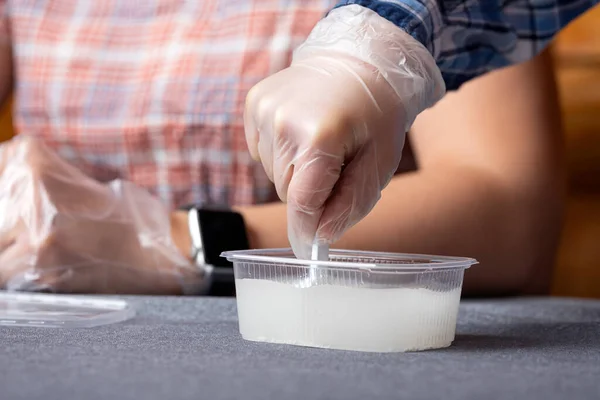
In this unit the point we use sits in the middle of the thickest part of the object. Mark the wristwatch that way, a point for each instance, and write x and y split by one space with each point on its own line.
212 232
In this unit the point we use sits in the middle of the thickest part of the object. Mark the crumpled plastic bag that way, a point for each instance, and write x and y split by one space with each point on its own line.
62 231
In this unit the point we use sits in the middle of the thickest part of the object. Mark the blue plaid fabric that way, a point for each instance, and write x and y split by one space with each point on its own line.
470 38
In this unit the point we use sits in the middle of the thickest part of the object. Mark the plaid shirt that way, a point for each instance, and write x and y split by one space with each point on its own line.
469 38
153 91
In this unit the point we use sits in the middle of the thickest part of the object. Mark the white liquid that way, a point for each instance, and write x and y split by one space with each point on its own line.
360 319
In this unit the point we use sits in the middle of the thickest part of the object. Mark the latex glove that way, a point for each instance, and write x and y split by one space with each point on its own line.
329 130
62 231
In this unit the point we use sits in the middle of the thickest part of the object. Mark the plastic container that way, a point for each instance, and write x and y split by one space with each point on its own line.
60 311
361 301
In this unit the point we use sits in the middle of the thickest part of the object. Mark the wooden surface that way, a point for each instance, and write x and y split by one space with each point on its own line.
577 54
6 131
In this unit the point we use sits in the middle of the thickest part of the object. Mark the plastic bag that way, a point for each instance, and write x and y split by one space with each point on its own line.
62 231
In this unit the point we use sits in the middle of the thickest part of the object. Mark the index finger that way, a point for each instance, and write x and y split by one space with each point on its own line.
312 182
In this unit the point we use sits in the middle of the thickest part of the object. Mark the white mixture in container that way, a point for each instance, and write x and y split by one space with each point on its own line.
348 318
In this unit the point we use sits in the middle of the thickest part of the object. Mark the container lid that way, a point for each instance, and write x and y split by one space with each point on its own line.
60 311
373 261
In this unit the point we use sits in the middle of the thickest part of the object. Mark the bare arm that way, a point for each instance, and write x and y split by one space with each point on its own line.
493 153
489 185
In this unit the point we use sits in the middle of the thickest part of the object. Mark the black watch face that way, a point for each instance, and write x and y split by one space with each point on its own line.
221 231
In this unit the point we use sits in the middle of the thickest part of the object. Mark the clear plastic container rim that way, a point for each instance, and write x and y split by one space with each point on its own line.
278 256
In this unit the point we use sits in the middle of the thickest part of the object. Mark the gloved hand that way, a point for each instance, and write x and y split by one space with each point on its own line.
329 130
62 231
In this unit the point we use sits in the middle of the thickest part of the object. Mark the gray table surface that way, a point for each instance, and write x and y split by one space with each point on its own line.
190 348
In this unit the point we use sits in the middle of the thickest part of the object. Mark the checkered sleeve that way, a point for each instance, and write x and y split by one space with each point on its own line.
470 38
